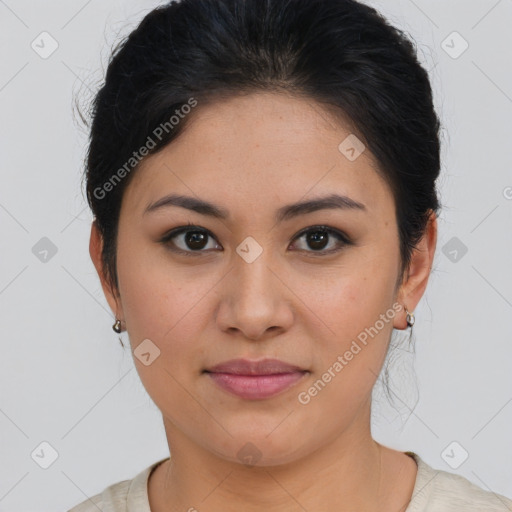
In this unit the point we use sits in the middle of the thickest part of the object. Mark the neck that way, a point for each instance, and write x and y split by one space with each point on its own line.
345 474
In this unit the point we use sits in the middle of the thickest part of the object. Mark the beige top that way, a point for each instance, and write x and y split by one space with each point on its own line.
434 491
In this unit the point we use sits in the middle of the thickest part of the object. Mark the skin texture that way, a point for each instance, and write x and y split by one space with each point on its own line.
252 155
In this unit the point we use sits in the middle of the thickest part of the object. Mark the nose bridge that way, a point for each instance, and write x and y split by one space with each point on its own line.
253 300
253 275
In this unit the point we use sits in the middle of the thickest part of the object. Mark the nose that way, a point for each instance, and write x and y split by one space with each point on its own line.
255 301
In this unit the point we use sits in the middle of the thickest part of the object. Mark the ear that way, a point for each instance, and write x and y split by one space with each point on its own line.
416 278
95 250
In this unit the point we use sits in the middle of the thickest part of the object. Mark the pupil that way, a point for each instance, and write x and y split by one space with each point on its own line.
317 242
195 237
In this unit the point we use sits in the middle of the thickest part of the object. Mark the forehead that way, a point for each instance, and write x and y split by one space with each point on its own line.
258 149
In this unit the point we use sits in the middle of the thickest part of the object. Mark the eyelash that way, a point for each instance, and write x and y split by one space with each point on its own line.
342 238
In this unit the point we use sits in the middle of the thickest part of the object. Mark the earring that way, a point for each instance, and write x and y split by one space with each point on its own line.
117 326
410 318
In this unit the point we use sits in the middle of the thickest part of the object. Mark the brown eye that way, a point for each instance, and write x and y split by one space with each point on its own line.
195 239
320 238
192 240
188 240
317 239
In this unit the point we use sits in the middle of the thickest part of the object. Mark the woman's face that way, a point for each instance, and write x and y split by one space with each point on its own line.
262 282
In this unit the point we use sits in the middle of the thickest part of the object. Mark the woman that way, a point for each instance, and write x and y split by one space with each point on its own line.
262 175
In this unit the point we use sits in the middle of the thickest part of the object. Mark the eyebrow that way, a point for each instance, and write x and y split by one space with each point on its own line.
330 202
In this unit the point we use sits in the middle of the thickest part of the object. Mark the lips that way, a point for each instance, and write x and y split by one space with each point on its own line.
255 379
247 367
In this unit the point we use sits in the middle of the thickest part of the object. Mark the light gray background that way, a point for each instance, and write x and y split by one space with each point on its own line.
65 379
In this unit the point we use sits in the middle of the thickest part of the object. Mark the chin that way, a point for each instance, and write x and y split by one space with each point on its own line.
259 449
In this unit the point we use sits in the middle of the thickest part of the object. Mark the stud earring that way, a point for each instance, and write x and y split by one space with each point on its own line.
117 326
410 318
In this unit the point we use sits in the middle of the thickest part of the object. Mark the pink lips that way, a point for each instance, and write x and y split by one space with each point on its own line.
255 379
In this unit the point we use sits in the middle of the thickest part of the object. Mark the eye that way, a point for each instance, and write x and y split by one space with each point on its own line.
319 237
192 239
189 239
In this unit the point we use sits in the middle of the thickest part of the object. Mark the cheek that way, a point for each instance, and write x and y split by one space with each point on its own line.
353 299
353 296
359 313
169 306
170 315
155 294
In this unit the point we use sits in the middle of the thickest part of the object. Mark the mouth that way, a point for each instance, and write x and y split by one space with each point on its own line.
255 380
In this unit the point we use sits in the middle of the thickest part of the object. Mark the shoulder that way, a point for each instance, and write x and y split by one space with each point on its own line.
115 496
123 496
440 491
